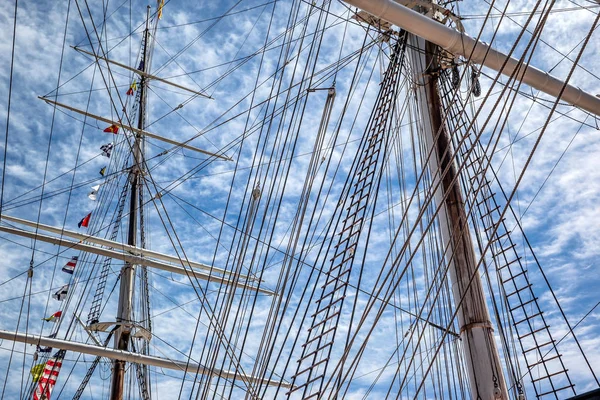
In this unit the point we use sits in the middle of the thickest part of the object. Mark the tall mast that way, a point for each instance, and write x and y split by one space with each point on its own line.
123 334
480 353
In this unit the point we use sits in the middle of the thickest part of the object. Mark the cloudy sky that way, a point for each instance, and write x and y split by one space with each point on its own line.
256 60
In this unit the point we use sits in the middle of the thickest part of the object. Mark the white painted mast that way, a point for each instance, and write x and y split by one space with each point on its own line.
481 355
477 335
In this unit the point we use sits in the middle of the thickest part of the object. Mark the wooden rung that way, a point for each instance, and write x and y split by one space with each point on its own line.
328 306
333 328
539 346
534 332
524 304
510 263
474 161
335 314
311 367
361 189
358 221
543 361
514 277
359 209
490 211
472 178
344 251
498 238
312 353
504 250
485 199
527 318
337 278
518 290
292 390
490 228
311 396
549 375
555 390
330 293
349 236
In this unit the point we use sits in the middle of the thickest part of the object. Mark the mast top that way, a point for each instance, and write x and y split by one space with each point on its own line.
477 52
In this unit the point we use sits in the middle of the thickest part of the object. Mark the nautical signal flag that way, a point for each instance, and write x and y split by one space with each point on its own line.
85 221
94 192
70 266
141 66
49 376
132 89
112 129
36 372
54 317
102 171
106 149
61 293
161 4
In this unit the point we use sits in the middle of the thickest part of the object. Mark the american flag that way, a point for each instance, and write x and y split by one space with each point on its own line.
70 266
49 376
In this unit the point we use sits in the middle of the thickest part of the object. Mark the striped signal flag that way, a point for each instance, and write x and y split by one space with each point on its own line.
49 376
70 266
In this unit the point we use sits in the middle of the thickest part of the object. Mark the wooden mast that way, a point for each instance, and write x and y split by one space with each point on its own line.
123 334
480 353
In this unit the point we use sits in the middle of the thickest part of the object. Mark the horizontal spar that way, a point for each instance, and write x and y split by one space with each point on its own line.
141 73
142 132
134 357
480 53
132 259
121 246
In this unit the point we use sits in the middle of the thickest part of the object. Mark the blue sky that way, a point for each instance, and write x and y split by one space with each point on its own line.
557 201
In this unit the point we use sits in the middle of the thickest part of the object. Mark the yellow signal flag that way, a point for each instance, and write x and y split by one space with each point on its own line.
37 371
161 4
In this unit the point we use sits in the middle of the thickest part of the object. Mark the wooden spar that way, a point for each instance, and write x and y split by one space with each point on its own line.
145 133
141 73
460 44
189 367
122 246
134 259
